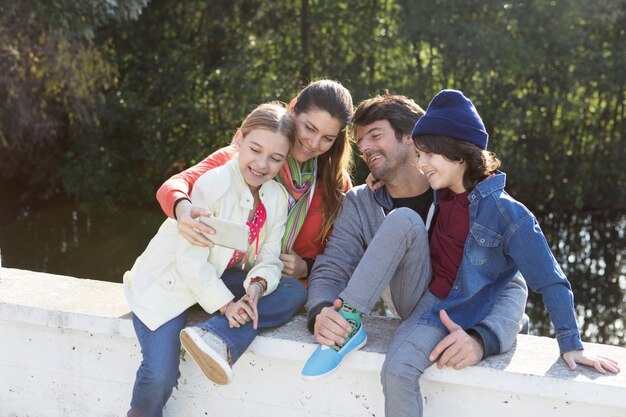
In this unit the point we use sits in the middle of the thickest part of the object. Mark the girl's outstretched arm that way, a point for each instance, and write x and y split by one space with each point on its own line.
189 227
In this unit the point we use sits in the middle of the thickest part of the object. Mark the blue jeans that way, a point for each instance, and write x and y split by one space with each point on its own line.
407 359
158 373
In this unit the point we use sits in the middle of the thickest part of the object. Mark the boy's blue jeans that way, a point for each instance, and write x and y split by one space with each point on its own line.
158 372
406 361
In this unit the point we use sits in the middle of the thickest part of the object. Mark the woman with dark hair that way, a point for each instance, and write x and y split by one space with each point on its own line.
316 175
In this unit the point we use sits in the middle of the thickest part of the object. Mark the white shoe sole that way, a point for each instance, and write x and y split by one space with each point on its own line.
209 361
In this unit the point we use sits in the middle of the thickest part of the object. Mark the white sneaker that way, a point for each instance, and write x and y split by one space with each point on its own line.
209 352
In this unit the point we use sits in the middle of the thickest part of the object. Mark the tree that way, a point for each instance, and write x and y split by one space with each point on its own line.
52 80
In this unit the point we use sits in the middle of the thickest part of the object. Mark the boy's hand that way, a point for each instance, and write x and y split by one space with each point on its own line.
372 183
600 363
458 349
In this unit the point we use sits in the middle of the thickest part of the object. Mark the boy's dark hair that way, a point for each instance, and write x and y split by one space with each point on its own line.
480 163
401 112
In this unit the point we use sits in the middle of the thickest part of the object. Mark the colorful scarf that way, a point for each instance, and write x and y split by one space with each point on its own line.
300 185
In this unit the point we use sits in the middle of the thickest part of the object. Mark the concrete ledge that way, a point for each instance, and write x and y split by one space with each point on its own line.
68 349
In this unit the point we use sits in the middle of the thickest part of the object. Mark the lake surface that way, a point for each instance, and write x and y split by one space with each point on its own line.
62 237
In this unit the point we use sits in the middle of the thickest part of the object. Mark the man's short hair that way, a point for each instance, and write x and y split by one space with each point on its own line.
401 112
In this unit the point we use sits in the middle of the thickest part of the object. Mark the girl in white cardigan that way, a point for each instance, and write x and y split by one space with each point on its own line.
244 290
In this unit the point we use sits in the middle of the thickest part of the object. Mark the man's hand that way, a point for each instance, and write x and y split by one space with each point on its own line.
294 265
190 228
331 327
458 349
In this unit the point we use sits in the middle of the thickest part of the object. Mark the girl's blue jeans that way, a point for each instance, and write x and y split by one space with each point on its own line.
158 373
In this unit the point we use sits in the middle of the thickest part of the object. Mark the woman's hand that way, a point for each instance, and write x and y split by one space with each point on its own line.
294 265
600 363
190 228
240 312
372 183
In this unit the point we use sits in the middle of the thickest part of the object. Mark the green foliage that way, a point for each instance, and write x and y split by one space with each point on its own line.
132 94
105 99
52 79
545 78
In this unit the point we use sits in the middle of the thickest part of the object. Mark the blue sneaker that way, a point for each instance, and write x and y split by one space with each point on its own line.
325 360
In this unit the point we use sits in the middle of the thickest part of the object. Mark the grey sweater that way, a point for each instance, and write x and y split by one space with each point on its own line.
362 213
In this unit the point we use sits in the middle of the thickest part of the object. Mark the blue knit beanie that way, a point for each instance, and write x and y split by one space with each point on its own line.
452 114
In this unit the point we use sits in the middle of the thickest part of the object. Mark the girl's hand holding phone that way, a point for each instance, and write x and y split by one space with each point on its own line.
188 225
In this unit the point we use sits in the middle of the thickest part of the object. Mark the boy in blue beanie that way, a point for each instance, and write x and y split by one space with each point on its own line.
481 238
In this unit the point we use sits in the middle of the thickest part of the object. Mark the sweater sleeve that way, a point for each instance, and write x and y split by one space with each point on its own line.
179 186
333 268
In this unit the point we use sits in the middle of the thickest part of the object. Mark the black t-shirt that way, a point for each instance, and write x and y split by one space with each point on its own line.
419 204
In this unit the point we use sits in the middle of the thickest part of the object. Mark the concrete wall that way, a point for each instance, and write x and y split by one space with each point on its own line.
67 348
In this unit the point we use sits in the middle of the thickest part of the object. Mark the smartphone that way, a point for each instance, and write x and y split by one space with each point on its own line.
228 233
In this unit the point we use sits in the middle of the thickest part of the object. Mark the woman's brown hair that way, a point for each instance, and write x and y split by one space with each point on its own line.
335 165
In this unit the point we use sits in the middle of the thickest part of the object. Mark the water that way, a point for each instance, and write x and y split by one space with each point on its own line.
62 237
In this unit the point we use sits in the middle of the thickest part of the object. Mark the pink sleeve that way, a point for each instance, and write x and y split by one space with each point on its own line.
180 185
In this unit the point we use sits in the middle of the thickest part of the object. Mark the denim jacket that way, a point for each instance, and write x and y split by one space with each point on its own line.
504 238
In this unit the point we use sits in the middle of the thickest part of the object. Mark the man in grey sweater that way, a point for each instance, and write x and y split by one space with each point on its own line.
382 128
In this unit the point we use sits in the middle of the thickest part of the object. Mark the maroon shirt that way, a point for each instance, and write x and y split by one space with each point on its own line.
447 240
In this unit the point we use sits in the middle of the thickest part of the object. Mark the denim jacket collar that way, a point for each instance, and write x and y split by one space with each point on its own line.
488 186
494 183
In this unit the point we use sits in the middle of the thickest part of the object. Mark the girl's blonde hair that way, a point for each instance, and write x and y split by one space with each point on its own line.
271 116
